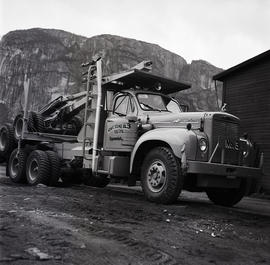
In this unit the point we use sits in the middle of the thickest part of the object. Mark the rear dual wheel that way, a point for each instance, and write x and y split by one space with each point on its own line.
16 165
55 170
43 167
40 167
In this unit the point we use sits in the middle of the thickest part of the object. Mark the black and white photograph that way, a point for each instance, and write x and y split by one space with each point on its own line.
134 132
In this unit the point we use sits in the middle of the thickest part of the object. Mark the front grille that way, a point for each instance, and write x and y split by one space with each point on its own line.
225 131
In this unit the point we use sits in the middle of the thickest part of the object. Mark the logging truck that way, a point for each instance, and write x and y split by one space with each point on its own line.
131 129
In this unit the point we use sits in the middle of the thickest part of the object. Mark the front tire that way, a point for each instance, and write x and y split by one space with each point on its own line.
38 168
227 197
161 176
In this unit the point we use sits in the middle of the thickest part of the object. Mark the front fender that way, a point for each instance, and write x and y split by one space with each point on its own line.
180 141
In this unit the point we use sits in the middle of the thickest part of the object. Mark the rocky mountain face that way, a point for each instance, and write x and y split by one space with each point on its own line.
51 59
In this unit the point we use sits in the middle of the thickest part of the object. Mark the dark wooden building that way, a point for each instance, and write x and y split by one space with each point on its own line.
246 91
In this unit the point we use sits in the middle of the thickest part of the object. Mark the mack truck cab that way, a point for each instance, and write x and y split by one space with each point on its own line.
171 150
134 129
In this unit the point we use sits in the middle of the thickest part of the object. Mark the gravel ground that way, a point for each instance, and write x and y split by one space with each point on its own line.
115 225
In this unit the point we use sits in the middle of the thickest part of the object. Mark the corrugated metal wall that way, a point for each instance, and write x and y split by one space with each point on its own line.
247 93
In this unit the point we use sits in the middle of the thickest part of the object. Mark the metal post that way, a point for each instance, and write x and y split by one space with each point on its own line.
97 119
26 84
216 90
86 107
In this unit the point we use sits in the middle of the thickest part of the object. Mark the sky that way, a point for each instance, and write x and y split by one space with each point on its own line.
222 32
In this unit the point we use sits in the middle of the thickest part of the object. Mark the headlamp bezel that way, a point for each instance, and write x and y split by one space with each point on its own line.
203 145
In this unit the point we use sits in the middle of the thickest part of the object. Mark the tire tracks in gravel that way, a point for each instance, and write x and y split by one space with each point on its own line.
152 254
95 235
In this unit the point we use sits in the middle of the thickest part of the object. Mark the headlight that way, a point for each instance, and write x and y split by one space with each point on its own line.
203 145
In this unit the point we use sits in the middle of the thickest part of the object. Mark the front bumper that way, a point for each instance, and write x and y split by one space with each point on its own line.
207 168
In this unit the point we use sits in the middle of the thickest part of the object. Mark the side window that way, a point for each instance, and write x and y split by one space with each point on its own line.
131 107
124 105
120 105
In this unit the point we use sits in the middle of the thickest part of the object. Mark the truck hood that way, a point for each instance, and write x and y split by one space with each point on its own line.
168 119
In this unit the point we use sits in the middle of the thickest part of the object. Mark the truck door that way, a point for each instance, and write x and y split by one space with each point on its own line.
120 131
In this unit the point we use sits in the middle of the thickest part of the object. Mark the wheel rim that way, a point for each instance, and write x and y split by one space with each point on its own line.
3 140
156 176
33 170
18 127
14 168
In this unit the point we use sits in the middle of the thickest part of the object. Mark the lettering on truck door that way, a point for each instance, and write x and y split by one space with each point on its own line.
121 134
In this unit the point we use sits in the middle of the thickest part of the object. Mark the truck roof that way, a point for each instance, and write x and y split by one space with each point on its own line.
143 80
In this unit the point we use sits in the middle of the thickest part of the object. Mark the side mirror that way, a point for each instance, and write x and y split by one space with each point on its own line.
132 118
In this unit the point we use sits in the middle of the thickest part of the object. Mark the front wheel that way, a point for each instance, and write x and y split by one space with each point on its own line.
227 197
161 177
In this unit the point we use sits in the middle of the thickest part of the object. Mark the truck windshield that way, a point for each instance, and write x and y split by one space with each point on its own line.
155 102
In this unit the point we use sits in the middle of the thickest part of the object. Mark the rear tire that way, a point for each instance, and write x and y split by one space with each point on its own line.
38 168
18 125
161 177
55 168
30 122
227 197
17 165
7 141
39 122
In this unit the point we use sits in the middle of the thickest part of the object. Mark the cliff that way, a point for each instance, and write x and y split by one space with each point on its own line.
51 59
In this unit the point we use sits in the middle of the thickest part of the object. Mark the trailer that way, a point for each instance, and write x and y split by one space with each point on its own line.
133 130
